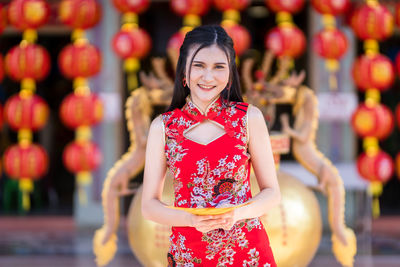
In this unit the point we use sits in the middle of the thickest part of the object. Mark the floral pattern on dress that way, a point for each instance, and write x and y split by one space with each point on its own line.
179 254
213 175
222 186
224 242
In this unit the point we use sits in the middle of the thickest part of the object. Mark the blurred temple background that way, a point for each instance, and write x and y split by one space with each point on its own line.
55 160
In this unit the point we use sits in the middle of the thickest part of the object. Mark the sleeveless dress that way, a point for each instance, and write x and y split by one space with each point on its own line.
212 175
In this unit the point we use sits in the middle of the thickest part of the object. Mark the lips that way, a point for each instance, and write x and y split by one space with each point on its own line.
206 87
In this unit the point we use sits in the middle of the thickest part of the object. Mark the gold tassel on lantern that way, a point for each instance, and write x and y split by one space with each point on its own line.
375 190
371 147
332 65
26 187
83 179
132 66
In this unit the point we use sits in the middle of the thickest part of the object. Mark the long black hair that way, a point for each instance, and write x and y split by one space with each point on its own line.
205 36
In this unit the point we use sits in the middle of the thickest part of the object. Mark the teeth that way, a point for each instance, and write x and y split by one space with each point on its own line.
206 86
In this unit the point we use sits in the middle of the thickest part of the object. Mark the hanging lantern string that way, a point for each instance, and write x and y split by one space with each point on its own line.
82 133
130 21
371 144
87 19
330 43
373 121
332 65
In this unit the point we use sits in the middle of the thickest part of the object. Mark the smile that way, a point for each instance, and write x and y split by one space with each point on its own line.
206 86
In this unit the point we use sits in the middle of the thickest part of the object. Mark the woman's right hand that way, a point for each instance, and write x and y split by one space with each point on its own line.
206 223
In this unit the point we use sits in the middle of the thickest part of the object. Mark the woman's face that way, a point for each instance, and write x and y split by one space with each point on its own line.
209 74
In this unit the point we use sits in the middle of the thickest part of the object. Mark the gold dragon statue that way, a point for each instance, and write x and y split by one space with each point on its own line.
157 90
281 90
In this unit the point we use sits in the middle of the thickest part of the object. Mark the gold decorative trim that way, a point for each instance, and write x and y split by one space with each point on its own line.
163 130
247 125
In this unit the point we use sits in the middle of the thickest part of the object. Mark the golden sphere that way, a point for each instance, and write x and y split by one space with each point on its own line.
148 240
294 227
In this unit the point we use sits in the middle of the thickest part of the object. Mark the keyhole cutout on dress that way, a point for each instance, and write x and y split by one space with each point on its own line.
204 132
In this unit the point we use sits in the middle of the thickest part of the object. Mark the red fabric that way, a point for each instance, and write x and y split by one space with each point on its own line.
213 175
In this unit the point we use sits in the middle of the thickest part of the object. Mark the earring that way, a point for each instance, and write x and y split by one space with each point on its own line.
184 82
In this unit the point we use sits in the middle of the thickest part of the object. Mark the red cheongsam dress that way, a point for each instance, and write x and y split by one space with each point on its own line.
213 175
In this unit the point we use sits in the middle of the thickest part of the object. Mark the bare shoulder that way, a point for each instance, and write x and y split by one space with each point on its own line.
254 114
257 128
157 126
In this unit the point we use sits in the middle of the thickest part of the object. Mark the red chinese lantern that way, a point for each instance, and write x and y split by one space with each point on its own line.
292 6
375 168
80 14
224 5
132 43
397 14
79 60
286 40
3 18
372 22
176 40
331 7
186 7
330 43
376 121
27 61
81 110
1 68
26 112
28 14
373 71
82 156
240 36
137 6
25 161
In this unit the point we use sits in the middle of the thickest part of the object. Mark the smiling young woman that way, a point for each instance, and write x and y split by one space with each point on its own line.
206 139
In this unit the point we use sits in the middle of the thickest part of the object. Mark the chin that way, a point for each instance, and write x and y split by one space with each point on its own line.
207 96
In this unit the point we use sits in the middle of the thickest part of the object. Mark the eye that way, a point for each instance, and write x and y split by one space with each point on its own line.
220 67
197 65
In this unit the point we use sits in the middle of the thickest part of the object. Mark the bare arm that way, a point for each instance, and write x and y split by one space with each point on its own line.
154 176
264 168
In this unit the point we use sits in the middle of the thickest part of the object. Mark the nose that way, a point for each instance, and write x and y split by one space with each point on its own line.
208 75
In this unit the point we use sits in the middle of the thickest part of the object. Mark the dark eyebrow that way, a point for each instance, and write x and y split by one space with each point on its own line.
217 63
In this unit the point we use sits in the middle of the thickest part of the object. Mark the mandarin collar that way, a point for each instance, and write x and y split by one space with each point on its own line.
212 110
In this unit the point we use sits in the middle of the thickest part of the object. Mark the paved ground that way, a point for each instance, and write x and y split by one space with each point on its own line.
48 242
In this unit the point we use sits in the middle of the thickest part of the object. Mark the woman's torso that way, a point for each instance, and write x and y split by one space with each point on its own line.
213 174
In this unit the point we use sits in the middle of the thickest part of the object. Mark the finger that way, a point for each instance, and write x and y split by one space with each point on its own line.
227 227
212 224
226 215
203 217
205 229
